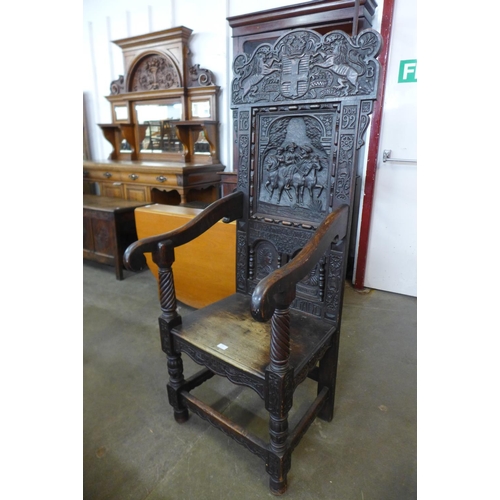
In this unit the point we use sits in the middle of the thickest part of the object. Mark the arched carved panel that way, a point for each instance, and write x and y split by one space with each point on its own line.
294 162
154 72
267 259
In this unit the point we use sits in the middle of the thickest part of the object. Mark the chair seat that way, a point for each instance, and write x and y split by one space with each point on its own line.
228 332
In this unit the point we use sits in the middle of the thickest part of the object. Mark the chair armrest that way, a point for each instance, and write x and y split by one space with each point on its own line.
228 208
278 288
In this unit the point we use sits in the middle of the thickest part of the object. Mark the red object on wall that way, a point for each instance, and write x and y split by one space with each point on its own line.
371 166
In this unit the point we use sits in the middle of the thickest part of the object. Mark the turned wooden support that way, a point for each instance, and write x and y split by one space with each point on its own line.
279 399
175 369
280 380
168 300
174 360
280 340
164 258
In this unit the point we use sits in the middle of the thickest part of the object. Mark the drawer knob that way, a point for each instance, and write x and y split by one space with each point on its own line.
107 175
161 178
133 176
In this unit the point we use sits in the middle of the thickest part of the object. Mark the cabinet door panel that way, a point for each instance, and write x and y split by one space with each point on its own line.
137 193
104 242
112 190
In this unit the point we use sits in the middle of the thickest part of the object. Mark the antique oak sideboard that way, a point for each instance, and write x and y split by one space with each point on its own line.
157 182
165 131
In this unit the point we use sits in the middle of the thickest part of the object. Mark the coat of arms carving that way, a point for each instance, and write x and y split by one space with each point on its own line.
305 65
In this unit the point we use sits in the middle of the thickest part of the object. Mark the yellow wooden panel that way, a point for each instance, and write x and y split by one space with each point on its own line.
204 269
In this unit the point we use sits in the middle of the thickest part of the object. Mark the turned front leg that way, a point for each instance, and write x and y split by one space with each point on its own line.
279 396
169 319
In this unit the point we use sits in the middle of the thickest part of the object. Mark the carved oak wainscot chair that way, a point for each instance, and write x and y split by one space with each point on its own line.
301 108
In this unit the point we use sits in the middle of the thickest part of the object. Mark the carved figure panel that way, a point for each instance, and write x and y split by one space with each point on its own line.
154 72
267 259
305 65
295 163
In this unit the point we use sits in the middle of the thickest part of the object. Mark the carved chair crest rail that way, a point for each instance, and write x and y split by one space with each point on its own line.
301 107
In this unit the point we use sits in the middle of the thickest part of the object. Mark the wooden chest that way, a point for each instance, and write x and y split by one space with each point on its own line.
108 228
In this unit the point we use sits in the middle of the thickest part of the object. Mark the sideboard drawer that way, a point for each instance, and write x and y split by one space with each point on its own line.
159 179
101 175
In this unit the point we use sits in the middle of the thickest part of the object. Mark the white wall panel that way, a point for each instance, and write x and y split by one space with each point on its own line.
391 263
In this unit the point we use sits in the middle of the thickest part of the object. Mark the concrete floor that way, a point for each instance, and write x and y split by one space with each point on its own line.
133 448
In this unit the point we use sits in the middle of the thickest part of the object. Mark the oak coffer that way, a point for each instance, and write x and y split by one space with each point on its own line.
108 228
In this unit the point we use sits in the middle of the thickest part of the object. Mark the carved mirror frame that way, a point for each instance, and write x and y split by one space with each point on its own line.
158 70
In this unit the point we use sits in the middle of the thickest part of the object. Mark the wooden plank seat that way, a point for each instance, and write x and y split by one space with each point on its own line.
230 336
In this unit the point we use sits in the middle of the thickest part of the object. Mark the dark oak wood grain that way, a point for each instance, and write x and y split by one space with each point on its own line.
301 107
278 288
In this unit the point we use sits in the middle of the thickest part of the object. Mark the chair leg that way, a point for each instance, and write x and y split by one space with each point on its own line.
279 461
279 400
164 257
175 371
278 467
327 377
278 404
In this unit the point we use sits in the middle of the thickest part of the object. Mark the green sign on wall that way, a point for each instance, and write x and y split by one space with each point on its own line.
408 71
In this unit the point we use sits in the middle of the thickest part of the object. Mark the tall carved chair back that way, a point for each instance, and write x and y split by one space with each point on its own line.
301 108
300 111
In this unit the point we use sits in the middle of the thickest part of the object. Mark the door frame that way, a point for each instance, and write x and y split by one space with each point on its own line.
373 149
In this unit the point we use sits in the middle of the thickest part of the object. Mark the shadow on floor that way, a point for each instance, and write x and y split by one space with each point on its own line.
133 449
